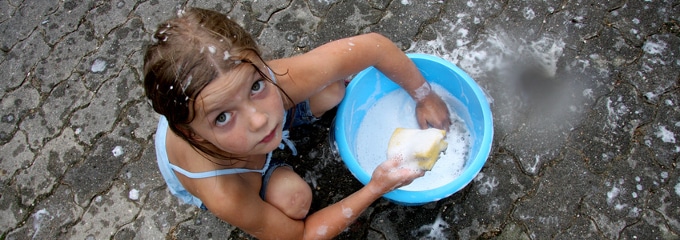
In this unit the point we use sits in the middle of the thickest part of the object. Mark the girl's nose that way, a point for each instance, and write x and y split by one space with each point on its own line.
257 119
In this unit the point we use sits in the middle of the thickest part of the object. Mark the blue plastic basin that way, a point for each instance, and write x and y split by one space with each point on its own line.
370 85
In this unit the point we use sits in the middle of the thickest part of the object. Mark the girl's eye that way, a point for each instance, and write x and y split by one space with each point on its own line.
257 87
223 119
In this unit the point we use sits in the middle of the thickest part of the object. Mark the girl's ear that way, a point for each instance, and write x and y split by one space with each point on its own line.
186 131
195 136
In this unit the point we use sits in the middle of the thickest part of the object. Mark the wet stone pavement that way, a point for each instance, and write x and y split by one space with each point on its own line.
585 96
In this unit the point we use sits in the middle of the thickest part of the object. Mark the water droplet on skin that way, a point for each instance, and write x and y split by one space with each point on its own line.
322 230
347 212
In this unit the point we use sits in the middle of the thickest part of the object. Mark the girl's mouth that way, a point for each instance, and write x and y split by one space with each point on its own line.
269 136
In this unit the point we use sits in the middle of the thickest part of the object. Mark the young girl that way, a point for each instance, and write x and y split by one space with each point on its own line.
227 109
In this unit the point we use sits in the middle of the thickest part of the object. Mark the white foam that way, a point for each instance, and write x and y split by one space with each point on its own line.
347 212
39 216
677 189
117 151
488 186
98 65
665 135
529 13
422 91
549 51
615 111
654 48
187 83
436 229
620 206
397 109
322 230
650 95
588 93
612 194
134 194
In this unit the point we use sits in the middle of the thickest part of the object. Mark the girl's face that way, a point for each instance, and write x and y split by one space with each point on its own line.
240 112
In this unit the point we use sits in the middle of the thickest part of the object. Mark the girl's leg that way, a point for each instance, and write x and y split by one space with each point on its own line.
289 193
285 189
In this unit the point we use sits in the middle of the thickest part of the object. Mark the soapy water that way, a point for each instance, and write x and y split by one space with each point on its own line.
397 109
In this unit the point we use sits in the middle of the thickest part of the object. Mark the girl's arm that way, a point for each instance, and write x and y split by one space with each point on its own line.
332 220
242 207
310 72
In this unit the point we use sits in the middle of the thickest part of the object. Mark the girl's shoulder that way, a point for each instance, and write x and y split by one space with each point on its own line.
190 161
217 189
185 156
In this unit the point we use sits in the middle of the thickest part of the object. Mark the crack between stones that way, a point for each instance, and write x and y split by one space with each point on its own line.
277 11
429 22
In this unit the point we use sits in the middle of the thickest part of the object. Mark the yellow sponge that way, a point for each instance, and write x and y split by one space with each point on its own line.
419 146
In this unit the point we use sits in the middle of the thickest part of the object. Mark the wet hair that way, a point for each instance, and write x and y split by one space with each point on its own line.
188 52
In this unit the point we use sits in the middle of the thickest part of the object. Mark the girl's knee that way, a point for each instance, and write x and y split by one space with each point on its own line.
338 91
289 193
327 98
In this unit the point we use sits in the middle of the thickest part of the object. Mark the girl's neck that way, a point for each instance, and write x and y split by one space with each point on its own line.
256 161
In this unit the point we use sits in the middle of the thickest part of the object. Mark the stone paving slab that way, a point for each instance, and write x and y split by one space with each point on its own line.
585 96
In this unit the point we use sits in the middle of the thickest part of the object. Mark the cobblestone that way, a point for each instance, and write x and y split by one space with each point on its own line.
585 97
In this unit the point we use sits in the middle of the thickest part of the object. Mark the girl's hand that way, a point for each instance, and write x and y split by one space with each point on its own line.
431 111
392 174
